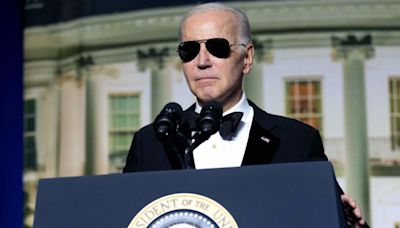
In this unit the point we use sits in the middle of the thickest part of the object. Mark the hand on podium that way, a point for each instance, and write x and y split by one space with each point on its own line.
353 212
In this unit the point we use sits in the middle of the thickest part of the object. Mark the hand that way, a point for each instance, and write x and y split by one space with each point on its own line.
354 215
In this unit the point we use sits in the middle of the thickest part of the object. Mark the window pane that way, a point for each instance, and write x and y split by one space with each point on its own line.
396 87
29 115
124 120
394 99
303 88
29 124
303 101
29 107
29 152
29 134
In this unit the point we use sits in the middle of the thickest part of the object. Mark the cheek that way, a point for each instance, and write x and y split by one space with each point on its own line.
236 69
187 72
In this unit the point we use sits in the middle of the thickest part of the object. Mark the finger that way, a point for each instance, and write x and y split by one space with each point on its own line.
360 220
357 212
352 203
348 201
358 216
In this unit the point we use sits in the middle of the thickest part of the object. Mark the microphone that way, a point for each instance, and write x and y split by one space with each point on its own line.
209 120
167 122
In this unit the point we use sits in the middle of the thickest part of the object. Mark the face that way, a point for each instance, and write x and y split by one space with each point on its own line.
210 77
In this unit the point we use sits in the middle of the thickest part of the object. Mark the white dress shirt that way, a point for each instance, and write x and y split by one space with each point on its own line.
217 152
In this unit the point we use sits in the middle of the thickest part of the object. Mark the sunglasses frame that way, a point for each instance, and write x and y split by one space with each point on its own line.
187 56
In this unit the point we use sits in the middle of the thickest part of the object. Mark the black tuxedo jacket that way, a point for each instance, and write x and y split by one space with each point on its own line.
272 139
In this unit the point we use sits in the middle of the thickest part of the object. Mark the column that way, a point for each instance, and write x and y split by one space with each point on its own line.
50 120
353 52
161 85
97 155
71 157
95 116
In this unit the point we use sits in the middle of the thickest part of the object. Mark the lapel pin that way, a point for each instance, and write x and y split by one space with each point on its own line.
265 139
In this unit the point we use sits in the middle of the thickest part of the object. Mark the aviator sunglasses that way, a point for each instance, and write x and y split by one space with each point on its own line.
218 47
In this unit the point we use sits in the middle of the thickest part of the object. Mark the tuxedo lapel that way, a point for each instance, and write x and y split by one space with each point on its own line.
261 145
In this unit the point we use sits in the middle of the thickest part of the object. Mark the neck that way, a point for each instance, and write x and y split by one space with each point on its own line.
226 105
229 104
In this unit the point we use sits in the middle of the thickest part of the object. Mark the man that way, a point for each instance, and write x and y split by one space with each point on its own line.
216 53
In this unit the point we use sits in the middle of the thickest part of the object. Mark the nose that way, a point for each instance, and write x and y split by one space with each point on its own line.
203 58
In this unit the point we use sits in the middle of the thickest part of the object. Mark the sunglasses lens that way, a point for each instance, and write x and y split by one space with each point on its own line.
188 50
218 47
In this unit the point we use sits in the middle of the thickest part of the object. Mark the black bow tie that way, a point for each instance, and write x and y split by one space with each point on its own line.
229 124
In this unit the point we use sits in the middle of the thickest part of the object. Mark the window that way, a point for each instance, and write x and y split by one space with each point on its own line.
124 120
394 96
303 101
29 134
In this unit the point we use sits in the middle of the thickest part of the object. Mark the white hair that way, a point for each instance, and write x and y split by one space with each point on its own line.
243 25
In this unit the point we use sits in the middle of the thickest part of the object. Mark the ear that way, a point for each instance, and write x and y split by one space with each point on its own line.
248 59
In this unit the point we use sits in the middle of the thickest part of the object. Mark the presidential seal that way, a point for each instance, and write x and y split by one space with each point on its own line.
183 210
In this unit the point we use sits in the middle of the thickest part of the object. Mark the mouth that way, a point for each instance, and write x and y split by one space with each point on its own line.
206 78
206 81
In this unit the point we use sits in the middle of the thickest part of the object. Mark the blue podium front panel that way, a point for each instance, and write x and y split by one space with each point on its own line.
276 195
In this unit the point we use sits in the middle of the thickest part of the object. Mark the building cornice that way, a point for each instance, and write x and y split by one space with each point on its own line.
286 22
40 73
101 32
283 16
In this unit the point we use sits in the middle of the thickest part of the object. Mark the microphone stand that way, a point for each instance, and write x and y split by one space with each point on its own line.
197 139
208 123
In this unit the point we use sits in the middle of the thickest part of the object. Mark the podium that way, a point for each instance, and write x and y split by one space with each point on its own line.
275 195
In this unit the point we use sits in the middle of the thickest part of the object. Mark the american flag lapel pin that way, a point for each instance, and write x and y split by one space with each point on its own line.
265 139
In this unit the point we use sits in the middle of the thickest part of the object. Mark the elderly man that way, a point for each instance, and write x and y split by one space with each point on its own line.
216 50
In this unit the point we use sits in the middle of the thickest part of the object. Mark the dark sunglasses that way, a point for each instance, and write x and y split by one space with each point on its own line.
218 47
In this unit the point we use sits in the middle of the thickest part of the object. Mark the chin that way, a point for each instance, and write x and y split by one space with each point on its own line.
205 99
209 95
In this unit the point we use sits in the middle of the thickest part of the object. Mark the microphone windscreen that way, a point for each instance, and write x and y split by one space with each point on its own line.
167 121
174 108
209 120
